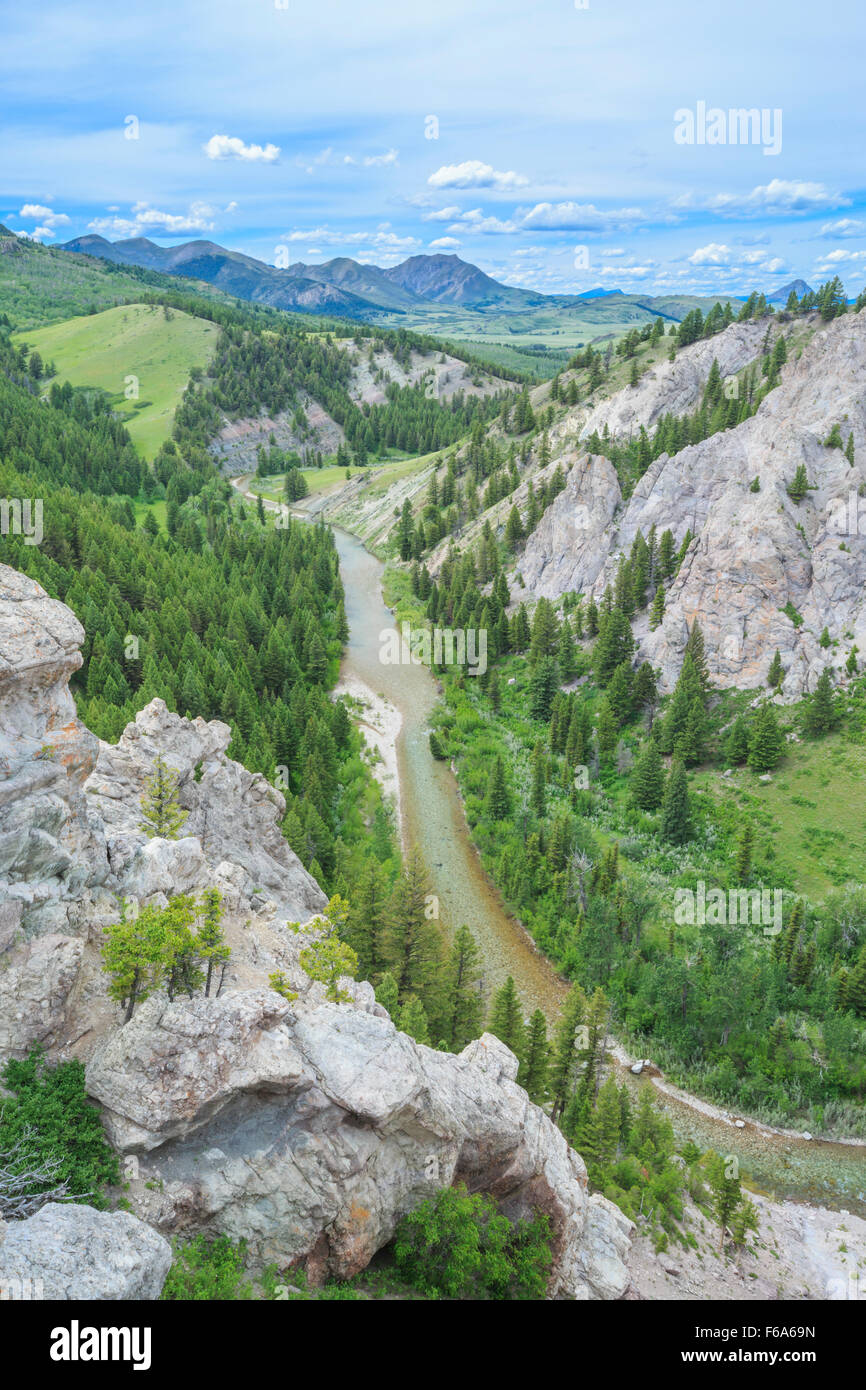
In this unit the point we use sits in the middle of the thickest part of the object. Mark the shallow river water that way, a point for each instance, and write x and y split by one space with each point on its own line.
826 1173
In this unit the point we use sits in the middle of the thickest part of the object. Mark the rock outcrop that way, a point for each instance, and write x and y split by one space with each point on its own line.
759 562
308 1129
67 1251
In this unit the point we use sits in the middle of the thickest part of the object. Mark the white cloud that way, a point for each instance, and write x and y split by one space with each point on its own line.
714 254
445 243
390 157
777 196
383 239
230 147
576 217
844 227
442 215
840 257
146 219
47 216
475 221
472 173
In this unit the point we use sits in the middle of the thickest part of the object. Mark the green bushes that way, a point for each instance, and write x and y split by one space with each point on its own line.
49 1116
208 1270
461 1246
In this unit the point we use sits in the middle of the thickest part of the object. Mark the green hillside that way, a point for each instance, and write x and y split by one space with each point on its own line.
159 347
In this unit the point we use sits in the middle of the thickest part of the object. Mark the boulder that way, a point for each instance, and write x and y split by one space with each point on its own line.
309 1129
68 1251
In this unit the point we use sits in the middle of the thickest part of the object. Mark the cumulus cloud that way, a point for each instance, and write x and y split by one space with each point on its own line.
777 196
144 219
577 217
843 227
442 215
445 243
475 221
472 173
333 158
230 147
47 216
383 239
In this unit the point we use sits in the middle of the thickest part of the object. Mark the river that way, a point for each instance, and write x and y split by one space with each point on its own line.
784 1166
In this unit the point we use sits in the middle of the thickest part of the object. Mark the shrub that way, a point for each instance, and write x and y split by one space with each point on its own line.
461 1246
50 1119
212 1270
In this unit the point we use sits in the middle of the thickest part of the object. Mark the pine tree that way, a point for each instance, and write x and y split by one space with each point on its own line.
799 484
506 1019
412 940
162 815
566 1048
412 1019
657 611
676 821
387 994
821 713
737 742
539 778
498 802
536 1063
776 673
766 741
744 854
461 1005
647 779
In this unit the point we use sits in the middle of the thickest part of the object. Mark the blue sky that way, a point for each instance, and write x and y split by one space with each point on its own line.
537 140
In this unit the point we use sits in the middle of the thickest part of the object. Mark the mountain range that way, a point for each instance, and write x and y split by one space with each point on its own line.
347 288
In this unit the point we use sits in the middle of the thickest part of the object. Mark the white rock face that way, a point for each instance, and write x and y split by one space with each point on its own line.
308 1129
67 1251
233 815
71 841
754 553
676 387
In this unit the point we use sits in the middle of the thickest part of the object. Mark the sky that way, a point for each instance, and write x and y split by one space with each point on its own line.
560 146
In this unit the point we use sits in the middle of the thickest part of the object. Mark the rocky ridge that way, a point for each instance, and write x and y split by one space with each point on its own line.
308 1127
757 558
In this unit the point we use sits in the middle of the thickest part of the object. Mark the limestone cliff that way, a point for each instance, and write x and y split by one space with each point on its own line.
308 1128
756 553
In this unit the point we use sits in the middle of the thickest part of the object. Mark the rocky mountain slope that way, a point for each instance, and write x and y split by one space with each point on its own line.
759 562
308 1127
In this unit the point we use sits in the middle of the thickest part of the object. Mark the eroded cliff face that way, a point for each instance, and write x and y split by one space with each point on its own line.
307 1128
753 553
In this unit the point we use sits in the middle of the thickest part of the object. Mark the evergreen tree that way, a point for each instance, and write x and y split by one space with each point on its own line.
506 1019
461 1002
676 821
498 802
536 1064
766 741
162 815
821 713
647 779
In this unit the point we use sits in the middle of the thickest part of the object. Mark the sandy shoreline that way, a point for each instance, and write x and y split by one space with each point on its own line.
380 723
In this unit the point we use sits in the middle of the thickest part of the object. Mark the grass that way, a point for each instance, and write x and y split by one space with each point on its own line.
102 350
381 476
142 508
812 809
